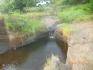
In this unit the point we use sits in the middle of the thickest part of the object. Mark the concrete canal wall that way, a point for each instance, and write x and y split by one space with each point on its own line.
4 39
11 40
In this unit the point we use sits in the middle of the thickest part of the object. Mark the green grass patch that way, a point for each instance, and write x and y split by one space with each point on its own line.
73 12
29 14
22 24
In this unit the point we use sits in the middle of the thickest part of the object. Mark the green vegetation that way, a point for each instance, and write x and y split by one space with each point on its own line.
24 16
65 28
34 9
79 12
21 16
7 6
74 10
22 24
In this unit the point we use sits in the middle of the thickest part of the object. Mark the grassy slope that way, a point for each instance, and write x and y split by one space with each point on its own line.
25 23
74 13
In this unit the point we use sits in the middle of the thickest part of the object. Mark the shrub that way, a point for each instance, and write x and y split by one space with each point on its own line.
22 24
71 13
34 9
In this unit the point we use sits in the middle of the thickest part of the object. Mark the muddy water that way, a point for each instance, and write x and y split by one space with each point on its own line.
30 57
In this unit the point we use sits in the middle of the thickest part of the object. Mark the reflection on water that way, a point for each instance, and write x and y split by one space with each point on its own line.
32 56
9 67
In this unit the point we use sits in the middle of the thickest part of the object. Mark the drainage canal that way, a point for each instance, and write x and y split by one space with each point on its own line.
32 56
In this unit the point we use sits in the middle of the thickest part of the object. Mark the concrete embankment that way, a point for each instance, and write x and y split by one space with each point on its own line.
78 45
22 40
4 39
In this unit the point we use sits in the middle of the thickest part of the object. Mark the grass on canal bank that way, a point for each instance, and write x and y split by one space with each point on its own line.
24 23
23 27
65 28
74 14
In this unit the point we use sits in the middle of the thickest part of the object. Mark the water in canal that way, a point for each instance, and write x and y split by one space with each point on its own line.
30 57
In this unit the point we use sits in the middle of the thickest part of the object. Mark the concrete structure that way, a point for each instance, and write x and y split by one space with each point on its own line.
4 39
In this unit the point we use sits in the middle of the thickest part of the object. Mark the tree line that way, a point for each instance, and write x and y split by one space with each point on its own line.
73 2
12 5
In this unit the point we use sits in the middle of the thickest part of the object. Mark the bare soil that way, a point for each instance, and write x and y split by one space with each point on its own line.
80 43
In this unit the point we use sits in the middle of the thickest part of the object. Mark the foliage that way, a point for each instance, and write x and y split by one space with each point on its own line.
66 29
71 13
34 9
6 6
91 4
22 24
20 4
74 2
12 5
57 2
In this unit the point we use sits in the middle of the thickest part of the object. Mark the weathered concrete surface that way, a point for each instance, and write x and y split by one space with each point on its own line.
4 39
82 67
61 41
22 40
79 45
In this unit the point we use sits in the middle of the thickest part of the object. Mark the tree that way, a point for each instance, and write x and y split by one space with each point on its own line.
12 5
6 6
91 4
20 4
74 2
